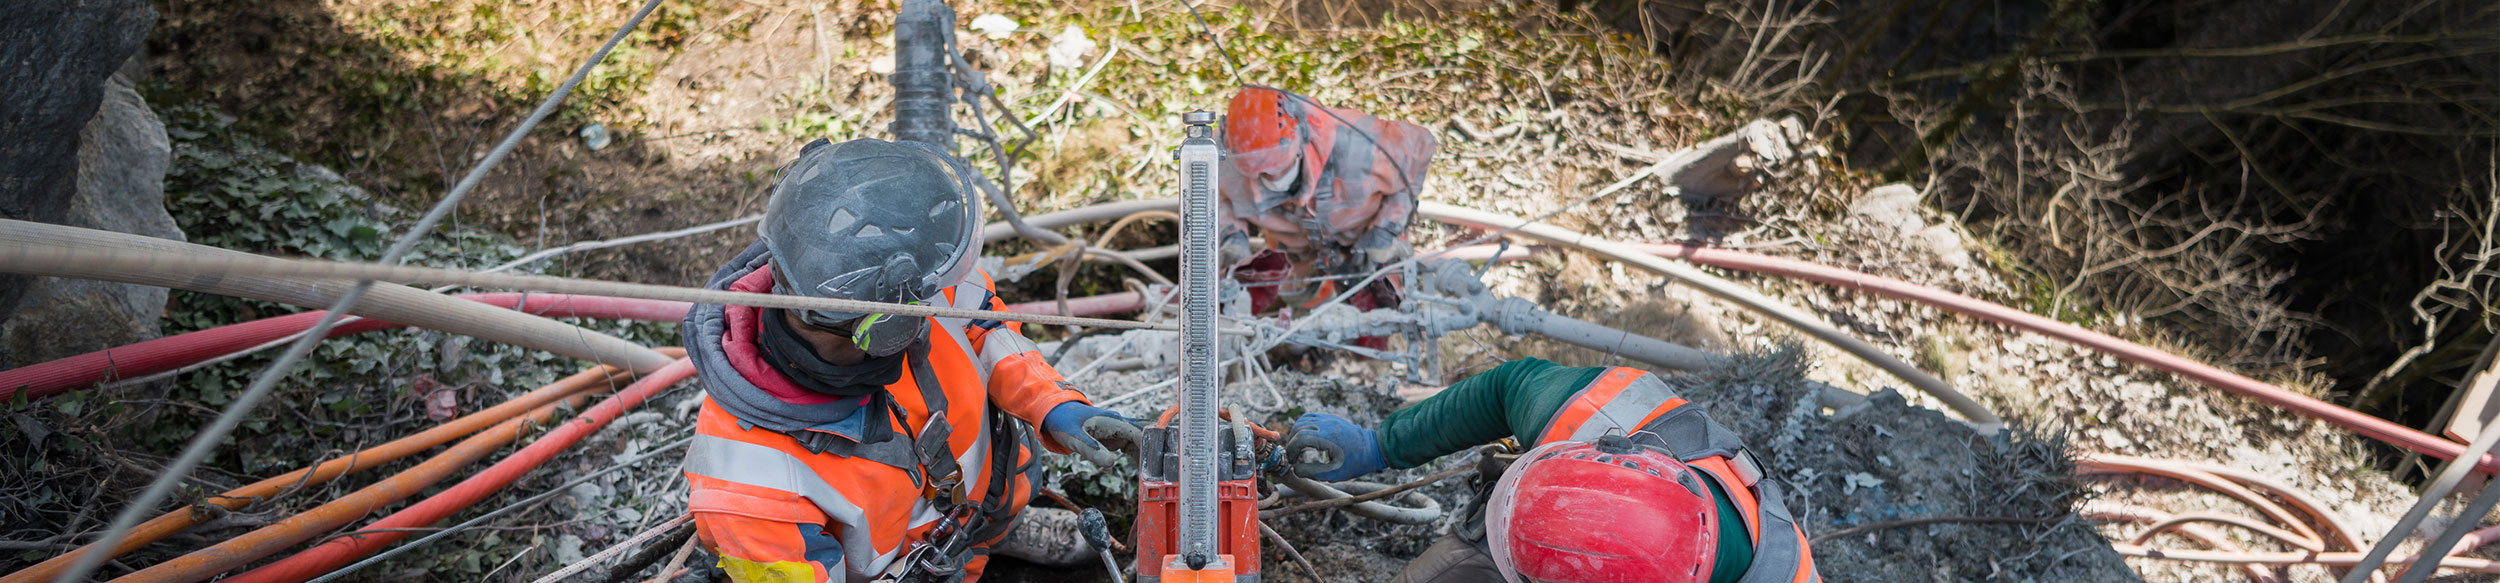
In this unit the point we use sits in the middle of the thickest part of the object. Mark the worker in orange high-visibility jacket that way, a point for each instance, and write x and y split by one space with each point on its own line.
1625 482
842 446
1332 190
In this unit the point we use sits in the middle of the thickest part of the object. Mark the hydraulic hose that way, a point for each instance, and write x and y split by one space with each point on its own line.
1520 316
141 359
343 550
1421 509
1984 420
1981 418
2375 428
2117 464
241 550
298 480
2288 558
2355 421
994 232
53 250
2105 510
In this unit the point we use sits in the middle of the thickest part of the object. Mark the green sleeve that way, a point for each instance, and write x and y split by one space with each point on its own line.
1735 545
1512 400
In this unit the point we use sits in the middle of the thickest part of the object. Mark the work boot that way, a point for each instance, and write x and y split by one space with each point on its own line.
1047 536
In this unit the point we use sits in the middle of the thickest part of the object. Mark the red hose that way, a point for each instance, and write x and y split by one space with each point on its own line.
2372 427
42 380
340 551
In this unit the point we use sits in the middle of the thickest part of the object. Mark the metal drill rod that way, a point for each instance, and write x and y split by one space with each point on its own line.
1201 374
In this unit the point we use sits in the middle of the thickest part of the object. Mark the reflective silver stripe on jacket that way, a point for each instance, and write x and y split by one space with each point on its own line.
969 295
1623 414
756 465
1690 433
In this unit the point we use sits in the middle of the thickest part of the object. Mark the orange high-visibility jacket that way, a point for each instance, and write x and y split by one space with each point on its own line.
1627 400
816 505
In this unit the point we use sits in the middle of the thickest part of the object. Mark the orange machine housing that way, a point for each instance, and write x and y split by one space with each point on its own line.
1158 513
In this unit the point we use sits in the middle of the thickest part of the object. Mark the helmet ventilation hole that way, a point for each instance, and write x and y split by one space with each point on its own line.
841 221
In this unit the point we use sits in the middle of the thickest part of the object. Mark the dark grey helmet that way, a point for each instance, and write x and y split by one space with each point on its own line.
872 220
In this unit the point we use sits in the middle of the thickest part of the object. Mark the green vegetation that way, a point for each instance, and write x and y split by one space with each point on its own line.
228 191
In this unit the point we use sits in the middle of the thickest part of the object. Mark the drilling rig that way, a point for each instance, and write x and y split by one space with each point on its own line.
1198 516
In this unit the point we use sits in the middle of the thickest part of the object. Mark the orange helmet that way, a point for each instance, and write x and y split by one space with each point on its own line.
1263 133
1609 511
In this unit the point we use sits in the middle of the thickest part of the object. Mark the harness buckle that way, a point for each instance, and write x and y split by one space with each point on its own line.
1747 470
950 489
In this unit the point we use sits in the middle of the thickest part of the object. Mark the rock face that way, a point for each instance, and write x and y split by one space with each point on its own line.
120 186
60 55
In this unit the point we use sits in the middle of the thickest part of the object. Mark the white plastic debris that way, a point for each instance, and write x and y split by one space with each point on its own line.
1070 47
994 25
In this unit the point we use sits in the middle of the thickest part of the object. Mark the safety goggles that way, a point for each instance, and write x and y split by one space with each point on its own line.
878 334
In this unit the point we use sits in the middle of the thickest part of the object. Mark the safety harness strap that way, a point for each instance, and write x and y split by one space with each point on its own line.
1779 550
937 458
1693 435
1779 553
924 456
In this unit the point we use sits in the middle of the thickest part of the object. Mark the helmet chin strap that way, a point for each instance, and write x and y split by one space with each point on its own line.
1284 182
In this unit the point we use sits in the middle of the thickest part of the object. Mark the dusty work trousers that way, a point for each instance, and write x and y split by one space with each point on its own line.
1450 560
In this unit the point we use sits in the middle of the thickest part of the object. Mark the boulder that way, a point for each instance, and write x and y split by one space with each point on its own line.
120 186
1892 209
60 55
1729 167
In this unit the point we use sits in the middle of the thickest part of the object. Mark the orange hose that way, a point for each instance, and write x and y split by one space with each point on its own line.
2188 518
2115 464
235 552
2337 530
2105 510
2293 558
2229 481
238 498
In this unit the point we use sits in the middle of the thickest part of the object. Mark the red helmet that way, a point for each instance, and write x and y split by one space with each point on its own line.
1263 133
1257 120
1606 511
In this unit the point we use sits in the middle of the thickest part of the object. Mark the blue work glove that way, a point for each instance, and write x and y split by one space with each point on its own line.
1351 451
1093 432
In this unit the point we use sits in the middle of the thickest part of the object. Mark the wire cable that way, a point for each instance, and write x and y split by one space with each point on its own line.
483 518
207 439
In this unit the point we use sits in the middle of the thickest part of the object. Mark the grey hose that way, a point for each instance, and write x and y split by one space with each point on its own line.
1520 316
1981 418
1419 509
1091 214
25 241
